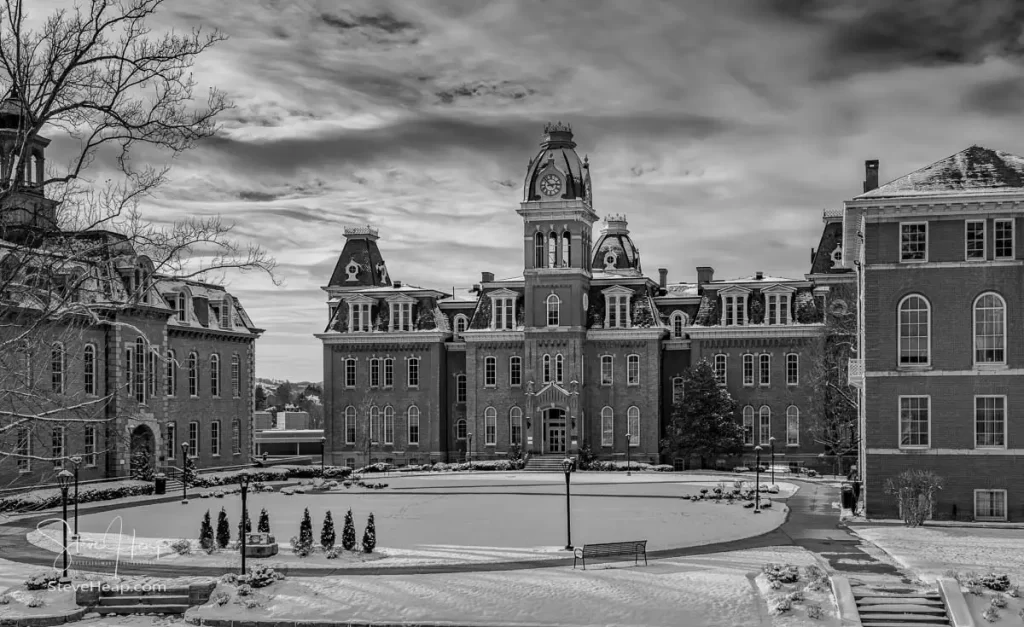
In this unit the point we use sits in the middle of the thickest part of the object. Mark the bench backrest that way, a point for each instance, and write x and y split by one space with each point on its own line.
613 547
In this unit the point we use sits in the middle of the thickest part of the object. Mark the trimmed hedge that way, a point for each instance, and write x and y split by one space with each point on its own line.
276 473
87 493
490 464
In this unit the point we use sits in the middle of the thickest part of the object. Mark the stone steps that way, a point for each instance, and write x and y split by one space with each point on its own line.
127 610
883 608
144 599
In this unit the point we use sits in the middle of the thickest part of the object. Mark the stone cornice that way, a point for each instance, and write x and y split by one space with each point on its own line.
555 210
363 337
553 272
222 334
483 335
755 331
676 345
847 277
677 300
626 334
455 346
927 206
998 263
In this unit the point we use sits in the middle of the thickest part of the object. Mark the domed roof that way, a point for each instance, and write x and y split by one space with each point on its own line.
615 251
558 155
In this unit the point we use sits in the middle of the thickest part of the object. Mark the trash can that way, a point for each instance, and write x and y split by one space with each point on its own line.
161 483
849 500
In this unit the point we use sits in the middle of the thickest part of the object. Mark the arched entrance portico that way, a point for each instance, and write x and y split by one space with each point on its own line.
556 431
143 446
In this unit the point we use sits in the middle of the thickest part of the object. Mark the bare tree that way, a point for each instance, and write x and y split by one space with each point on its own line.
78 260
834 423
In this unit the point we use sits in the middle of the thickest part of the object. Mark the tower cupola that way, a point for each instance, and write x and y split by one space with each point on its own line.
615 251
557 172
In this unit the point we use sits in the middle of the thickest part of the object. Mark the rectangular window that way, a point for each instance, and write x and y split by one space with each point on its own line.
678 389
236 376
606 370
350 373
990 422
23 449
618 311
778 308
504 314
236 437
515 371
633 418
350 430
140 373
990 504
89 364
915 421
151 374
720 368
401 317
414 372
129 372
215 438
460 388
172 440
1004 239
633 370
792 369
913 241
490 372
975 240
766 369
516 427
89 446
57 446
359 320
748 370
490 430
171 376
389 425
389 372
375 373
193 439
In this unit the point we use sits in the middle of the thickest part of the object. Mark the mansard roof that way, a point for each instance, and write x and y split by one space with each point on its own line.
360 263
975 170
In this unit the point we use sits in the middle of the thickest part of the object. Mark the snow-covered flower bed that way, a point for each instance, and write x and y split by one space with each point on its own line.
797 596
87 493
993 599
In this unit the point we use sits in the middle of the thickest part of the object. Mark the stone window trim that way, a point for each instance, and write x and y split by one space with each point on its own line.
388 373
490 426
633 370
559 369
972 236
792 369
552 308
607 370
515 371
994 336
171 375
778 302
633 426
171 430
1002 407
749 370
678 389
515 426
490 371
734 306
764 370
459 325
89 369
350 425
678 322
236 437
193 439
360 308
545 369
388 426
616 299
914 402
412 368
400 313
215 375
215 438
764 425
349 366
607 427
193 375
460 388
910 242
909 359
413 420
58 361
992 513
721 367
58 445
748 426
792 426
1001 248
503 301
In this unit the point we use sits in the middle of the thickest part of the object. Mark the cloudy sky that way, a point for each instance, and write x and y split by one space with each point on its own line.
721 129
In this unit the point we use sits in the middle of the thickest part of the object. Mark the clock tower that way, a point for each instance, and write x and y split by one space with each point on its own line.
558 217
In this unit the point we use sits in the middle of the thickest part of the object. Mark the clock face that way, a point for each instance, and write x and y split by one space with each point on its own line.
550 185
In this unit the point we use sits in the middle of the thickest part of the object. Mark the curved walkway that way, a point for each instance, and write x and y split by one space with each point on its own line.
811 523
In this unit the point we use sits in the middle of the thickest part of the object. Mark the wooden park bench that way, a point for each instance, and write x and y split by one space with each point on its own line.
636 548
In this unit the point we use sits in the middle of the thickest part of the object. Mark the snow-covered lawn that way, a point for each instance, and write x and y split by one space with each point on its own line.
700 591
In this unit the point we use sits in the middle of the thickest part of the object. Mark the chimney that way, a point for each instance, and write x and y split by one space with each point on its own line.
397 284
663 278
486 277
476 288
759 275
870 175
705 274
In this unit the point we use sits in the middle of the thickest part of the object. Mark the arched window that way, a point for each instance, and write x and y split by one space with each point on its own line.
989 329
171 374
538 247
678 389
678 323
140 370
553 303
215 375
765 427
566 249
57 367
181 301
915 331
792 426
89 363
350 425
748 425
461 324
460 429
193 374
374 423
151 371
515 426
553 250
607 427
546 368
490 426
389 425
633 424
236 437
236 376
559 368
413 416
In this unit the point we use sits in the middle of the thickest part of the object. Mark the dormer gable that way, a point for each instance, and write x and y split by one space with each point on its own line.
400 312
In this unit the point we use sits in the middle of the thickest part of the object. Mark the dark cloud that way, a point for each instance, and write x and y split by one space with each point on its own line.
385 22
881 35
502 89
999 97
505 183
254 196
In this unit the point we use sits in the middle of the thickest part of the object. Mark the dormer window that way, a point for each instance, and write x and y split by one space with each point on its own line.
181 302
617 309
359 316
734 305
461 322
401 315
215 314
503 308
552 309
778 302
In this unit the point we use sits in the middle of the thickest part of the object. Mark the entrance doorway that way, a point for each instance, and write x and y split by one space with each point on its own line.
555 431
142 446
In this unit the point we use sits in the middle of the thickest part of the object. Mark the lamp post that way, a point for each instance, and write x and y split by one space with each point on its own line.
771 444
323 447
77 461
243 480
628 465
757 483
64 479
567 467
469 447
184 472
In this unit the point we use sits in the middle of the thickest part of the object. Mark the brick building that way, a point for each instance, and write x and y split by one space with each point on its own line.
131 363
943 313
579 350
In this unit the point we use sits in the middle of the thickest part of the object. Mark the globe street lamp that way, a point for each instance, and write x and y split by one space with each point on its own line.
184 472
771 444
757 483
243 480
323 447
628 465
64 479
76 461
567 468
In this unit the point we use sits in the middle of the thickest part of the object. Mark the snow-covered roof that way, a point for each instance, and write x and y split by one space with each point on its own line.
976 170
461 295
681 289
755 279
